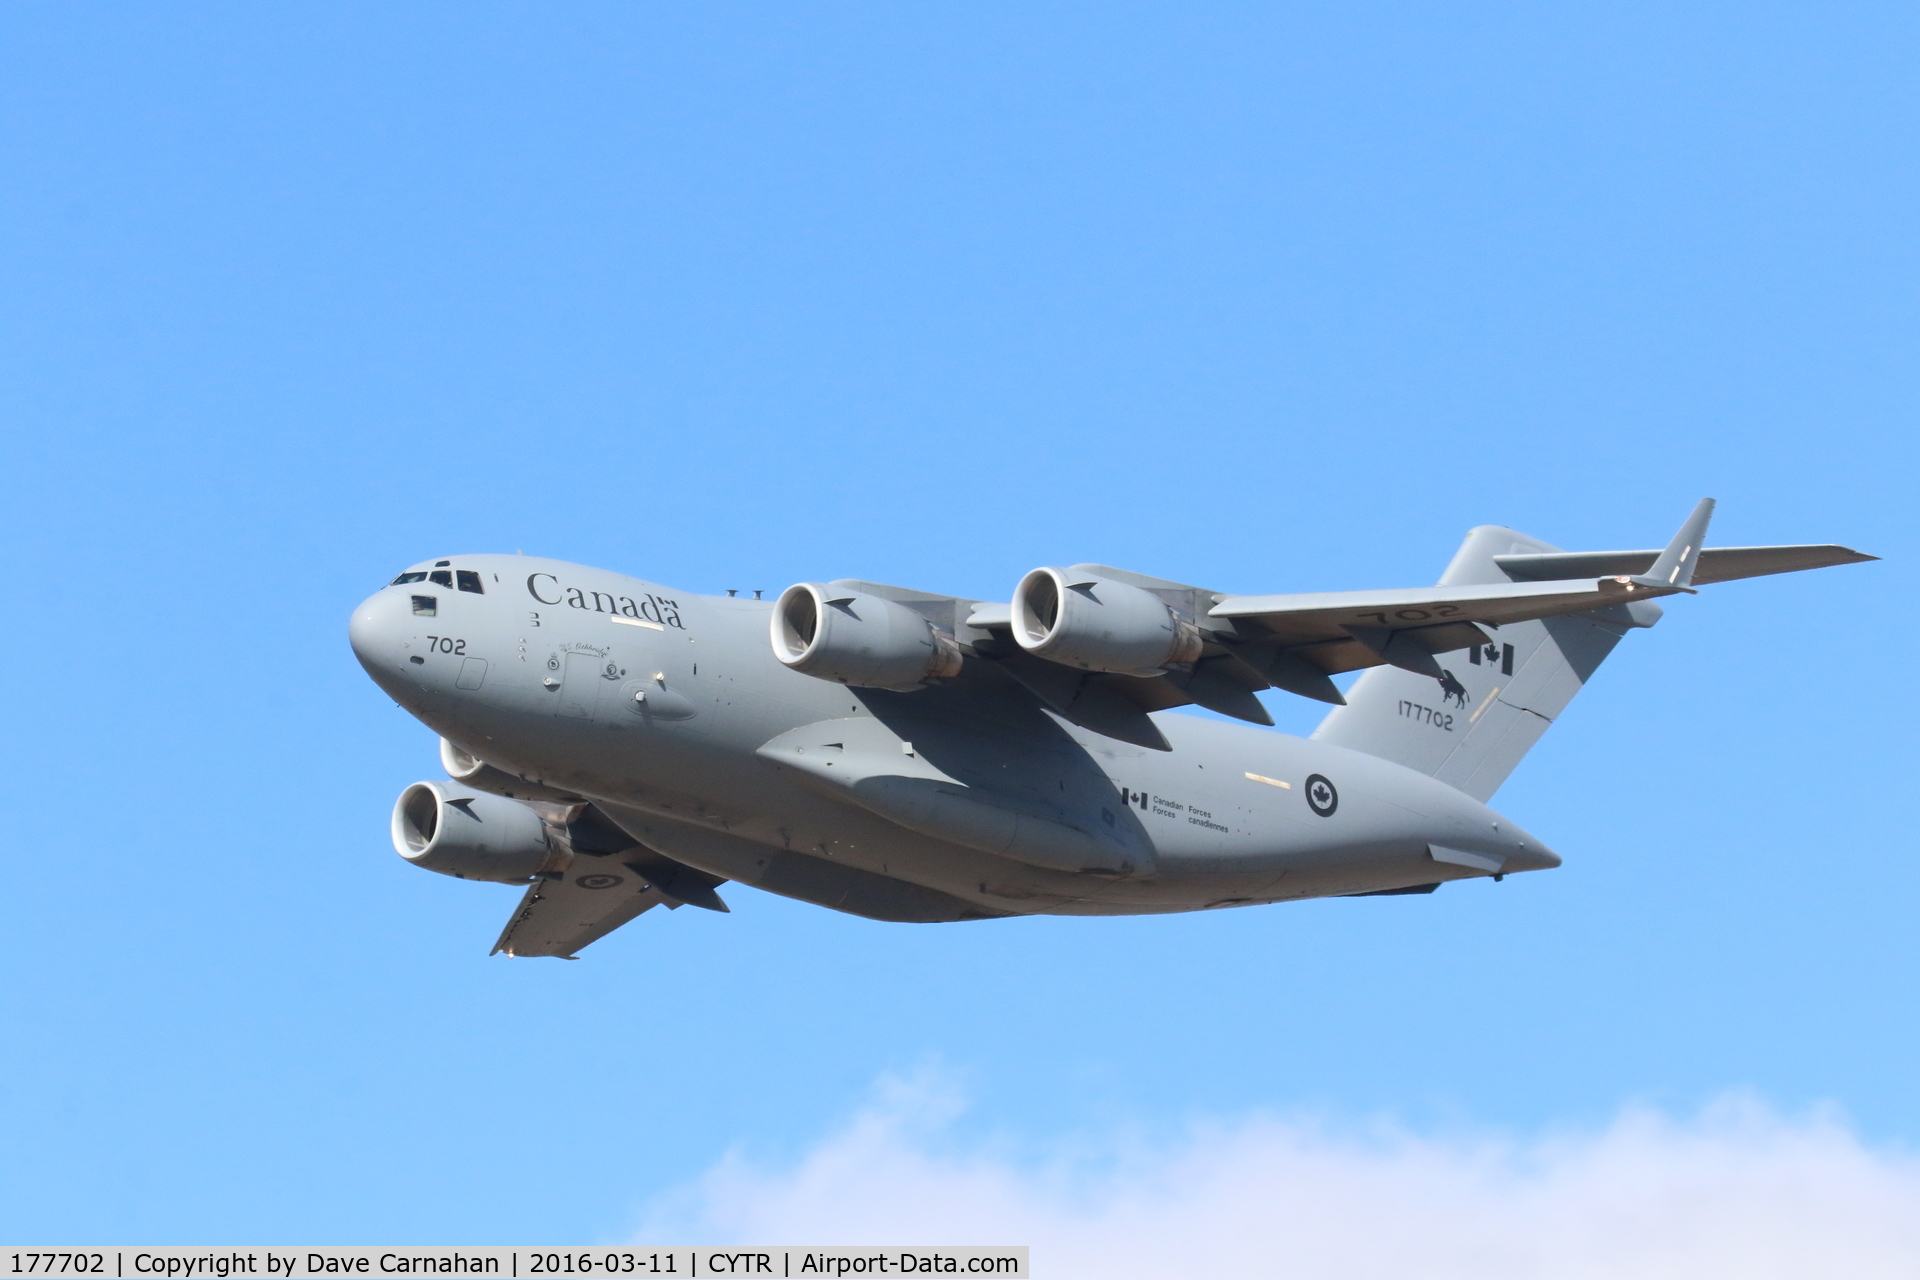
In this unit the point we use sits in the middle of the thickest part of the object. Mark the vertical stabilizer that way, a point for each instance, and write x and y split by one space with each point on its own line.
1470 726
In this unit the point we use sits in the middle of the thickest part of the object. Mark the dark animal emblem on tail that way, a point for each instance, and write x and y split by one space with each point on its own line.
1452 690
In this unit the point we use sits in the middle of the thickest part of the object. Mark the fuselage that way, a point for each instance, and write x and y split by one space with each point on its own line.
670 711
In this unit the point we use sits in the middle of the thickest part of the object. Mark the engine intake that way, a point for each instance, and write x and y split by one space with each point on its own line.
1096 624
459 832
861 640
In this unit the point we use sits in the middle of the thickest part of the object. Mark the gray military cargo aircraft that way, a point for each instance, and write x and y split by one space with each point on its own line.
612 744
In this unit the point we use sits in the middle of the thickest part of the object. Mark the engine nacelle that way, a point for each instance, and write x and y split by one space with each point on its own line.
1096 624
857 639
470 770
457 831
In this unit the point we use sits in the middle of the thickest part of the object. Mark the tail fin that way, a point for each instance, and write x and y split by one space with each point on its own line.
1491 702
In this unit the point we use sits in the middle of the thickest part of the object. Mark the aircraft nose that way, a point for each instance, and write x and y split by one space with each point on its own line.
377 630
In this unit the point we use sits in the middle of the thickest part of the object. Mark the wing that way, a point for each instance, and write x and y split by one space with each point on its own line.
1717 564
1346 630
1291 642
1238 660
607 878
1296 642
559 916
1225 679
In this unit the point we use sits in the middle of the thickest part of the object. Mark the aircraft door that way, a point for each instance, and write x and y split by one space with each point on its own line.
584 676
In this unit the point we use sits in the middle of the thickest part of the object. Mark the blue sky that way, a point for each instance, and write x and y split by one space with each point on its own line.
1266 297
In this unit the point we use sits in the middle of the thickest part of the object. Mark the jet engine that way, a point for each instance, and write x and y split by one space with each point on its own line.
1096 624
448 828
470 770
858 639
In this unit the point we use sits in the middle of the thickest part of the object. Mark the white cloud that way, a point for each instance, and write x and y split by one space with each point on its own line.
1737 1191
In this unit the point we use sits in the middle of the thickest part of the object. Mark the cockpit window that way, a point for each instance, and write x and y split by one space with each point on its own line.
405 578
470 581
427 606
441 578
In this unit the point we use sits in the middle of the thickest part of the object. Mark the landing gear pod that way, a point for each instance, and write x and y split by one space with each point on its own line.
859 640
1097 624
469 834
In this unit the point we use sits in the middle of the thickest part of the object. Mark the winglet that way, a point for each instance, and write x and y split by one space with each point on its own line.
1675 566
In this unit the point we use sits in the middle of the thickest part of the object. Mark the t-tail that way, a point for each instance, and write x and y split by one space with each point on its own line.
1466 716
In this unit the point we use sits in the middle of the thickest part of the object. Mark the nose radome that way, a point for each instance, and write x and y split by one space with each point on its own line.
375 630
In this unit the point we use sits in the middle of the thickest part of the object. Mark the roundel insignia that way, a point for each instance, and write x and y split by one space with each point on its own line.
1322 798
598 882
